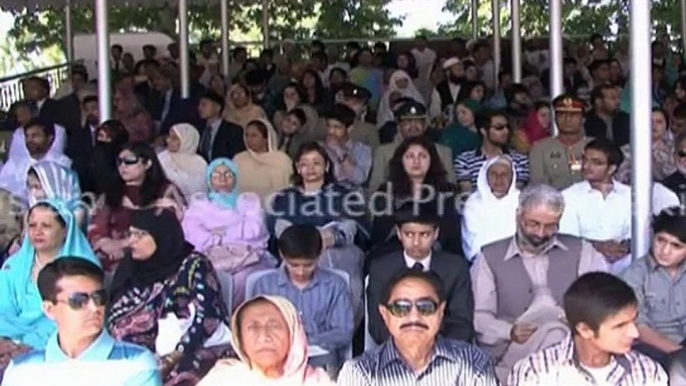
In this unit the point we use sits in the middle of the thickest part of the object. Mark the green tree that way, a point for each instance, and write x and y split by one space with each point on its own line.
355 18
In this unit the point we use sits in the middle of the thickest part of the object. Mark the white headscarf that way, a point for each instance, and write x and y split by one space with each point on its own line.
185 168
487 218
385 112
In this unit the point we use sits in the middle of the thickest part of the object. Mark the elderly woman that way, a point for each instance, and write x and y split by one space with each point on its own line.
240 108
229 227
271 344
48 180
141 184
51 233
264 168
401 83
161 286
489 213
181 162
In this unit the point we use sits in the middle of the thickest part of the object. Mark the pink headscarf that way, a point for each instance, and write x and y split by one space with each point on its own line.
296 371
533 129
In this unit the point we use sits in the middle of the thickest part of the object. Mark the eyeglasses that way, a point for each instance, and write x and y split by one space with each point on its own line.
402 307
129 160
79 300
681 153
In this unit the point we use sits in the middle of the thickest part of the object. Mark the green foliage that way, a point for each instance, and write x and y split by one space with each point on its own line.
355 18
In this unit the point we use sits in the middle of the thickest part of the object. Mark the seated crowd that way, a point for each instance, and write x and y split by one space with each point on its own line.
389 219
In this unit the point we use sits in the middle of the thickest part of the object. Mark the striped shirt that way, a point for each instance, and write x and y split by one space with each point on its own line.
557 365
468 164
325 305
453 363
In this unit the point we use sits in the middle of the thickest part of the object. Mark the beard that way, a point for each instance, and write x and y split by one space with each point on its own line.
536 242
456 79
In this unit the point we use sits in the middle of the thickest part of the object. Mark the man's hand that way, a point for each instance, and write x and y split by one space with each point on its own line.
612 250
520 333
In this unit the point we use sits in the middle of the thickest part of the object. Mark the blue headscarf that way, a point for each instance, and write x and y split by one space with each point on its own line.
21 315
225 199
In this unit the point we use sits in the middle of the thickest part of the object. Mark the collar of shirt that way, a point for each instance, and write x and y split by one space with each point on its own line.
514 250
410 262
654 266
389 353
99 350
621 366
479 153
617 188
282 279
40 103
215 124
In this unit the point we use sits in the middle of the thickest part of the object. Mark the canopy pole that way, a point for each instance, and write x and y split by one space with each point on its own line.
265 23
516 42
102 34
184 57
68 32
683 26
475 19
641 107
556 76
496 40
224 9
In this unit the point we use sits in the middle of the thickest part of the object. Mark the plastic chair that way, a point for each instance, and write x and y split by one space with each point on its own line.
226 285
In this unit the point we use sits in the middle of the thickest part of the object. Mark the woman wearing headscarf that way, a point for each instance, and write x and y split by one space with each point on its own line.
48 180
401 83
536 127
264 168
228 227
280 360
489 214
240 108
51 233
141 183
161 281
181 162
340 215
463 135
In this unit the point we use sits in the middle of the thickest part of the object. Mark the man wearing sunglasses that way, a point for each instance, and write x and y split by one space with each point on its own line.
81 352
412 307
417 229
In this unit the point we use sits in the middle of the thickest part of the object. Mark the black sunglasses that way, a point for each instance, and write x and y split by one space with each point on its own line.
681 153
79 300
402 307
129 160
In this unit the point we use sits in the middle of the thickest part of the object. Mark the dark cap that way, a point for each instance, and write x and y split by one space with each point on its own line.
566 103
213 97
410 110
351 90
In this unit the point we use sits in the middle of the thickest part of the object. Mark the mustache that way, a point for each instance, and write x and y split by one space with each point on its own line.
414 324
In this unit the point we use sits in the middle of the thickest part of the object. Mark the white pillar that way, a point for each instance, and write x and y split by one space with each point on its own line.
516 42
475 19
265 23
224 9
683 23
556 75
102 33
496 40
68 32
641 106
184 57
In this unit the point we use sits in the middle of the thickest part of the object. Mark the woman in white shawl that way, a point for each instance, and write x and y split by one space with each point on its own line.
180 161
402 83
489 213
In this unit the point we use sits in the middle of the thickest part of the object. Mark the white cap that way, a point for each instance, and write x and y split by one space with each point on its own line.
450 62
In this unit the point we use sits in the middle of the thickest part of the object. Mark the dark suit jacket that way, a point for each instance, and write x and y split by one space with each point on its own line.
458 321
180 110
50 112
621 127
70 113
227 143
80 150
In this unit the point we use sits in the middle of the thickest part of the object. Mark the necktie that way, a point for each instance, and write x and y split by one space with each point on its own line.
206 145
418 266
33 106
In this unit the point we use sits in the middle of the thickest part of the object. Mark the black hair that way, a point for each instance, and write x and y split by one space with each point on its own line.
479 45
596 64
466 91
66 266
118 47
42 82
260 126
342 113
594 297
255 77
679 111
154 184
58 217
672 221
79 69
436 176
541 104
300 241
353 45
321 56
267 52
664 114
319 90
239 49
485 120
281 103
116 131
319 44
594 37
343 72
299 114
570 60
309 147
428 277
417 212
149 47
598 90
614 154
514 89
47 127
90 99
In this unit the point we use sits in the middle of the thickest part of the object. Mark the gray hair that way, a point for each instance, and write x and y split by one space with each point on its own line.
541 195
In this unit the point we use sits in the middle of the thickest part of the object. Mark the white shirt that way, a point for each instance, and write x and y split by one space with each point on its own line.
591 216
410 262
663 198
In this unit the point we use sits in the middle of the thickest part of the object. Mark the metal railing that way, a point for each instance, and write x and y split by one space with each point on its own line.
11 89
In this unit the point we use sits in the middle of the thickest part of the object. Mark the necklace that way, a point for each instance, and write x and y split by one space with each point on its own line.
37 264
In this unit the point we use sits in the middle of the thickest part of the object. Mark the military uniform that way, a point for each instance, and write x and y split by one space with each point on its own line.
384 153
553 162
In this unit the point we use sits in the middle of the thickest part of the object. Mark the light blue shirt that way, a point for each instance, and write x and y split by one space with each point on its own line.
105 362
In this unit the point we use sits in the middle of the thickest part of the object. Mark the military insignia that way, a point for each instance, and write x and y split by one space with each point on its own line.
413 110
